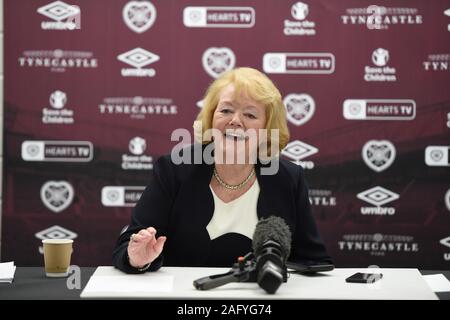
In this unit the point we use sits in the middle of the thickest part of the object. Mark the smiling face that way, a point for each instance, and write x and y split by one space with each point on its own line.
237 120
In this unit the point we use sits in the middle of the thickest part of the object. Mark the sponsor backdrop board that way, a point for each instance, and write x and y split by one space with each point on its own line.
94 89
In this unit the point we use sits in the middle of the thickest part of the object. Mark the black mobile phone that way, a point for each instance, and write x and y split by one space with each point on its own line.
360 277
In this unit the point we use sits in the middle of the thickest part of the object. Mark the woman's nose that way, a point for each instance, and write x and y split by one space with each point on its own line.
236 119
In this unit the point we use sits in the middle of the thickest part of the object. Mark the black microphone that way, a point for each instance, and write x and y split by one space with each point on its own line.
271 247
265 265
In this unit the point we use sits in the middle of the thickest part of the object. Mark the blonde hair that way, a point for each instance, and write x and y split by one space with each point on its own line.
256 86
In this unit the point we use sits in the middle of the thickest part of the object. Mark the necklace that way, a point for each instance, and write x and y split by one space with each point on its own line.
231 186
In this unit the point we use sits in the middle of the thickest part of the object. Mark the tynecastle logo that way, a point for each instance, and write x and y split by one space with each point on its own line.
58 60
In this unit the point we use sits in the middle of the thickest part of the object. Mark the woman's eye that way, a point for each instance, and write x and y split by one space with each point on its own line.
251 116
225 110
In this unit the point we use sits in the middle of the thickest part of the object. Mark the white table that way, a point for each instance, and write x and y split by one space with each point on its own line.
177 283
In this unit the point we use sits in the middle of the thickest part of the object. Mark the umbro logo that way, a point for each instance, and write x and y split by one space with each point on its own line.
56 232
296 150
378 196
59 11
445 242
138 58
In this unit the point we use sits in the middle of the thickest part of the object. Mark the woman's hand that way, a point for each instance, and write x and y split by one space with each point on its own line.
143 247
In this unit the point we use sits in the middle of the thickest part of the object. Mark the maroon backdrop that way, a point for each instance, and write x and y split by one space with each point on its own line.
94 89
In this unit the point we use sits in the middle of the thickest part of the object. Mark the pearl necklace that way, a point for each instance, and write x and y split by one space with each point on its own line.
230 186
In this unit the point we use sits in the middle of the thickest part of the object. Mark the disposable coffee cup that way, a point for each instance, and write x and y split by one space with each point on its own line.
57 253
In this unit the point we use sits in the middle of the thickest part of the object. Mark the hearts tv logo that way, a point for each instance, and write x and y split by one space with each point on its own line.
217 61
139 16
57 195
378 154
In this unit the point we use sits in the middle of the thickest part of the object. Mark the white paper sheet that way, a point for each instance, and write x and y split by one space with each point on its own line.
130 284
438 282
7 270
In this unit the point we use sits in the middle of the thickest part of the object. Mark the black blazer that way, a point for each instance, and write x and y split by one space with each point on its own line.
179 204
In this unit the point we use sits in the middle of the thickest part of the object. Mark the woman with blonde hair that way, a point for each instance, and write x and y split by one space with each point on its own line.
205 214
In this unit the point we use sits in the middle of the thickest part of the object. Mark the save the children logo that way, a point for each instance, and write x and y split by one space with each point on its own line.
299 26
137 159
381 71
447 13
57 114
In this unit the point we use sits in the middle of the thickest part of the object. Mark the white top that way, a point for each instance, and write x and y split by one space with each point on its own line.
238 216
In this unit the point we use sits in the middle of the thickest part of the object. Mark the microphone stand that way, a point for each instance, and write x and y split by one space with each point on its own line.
242 271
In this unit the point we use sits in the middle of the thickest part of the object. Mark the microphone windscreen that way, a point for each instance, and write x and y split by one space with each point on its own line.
275 229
